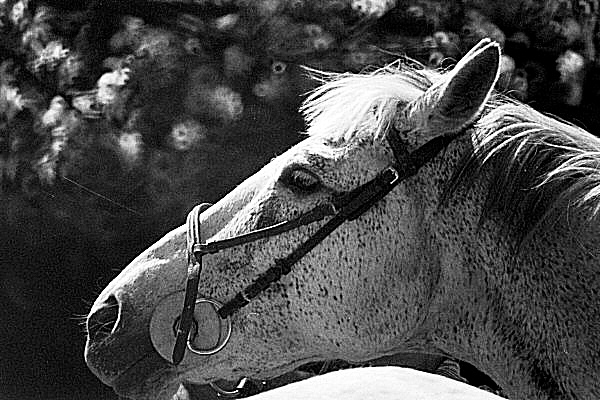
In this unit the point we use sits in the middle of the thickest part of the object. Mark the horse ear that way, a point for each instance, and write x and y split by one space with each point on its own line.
456 101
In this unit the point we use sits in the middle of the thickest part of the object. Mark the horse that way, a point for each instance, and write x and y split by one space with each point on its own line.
482 248
377 383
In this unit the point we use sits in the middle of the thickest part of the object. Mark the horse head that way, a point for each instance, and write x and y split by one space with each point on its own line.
385 282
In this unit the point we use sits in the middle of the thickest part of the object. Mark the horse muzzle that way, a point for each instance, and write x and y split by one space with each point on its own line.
119 350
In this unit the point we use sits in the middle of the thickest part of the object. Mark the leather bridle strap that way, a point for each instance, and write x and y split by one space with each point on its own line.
316 214
191 287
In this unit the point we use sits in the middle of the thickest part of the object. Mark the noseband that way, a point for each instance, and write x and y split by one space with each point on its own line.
344 208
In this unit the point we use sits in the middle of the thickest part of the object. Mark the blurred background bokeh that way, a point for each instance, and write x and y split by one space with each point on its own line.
117 116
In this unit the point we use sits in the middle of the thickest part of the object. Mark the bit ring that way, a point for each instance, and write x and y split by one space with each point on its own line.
207 352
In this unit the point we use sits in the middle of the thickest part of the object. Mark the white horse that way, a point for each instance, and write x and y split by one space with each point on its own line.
489 254
377 383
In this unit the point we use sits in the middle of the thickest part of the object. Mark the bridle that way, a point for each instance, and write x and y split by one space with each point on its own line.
346 207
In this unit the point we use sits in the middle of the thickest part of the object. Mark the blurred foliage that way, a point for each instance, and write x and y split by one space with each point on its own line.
117 116
136 110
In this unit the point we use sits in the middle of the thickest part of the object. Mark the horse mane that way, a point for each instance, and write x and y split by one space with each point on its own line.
539 164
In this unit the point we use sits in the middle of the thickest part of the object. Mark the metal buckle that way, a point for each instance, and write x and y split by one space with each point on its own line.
245 387
228 394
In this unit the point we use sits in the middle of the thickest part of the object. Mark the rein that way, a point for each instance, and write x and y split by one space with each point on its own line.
347 207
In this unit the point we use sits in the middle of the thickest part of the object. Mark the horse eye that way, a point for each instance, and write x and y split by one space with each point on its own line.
300 180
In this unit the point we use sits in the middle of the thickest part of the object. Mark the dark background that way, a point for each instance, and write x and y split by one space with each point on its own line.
210 95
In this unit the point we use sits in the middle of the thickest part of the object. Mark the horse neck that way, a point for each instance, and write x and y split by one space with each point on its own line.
528 319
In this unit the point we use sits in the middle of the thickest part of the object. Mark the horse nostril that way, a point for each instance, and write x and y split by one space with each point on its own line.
104 320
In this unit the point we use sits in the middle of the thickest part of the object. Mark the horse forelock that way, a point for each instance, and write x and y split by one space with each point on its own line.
362 106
